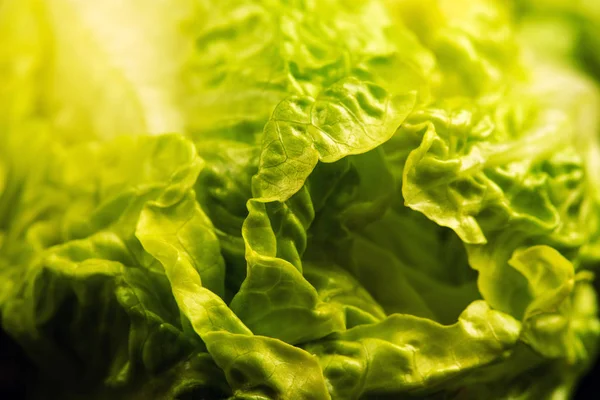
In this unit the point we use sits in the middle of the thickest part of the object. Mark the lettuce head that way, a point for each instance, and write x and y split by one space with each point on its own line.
298 199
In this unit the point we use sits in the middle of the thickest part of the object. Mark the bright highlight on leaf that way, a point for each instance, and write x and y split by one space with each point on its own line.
300 199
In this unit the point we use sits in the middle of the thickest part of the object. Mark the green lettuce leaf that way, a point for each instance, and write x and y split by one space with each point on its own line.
499 182
92 279
408 354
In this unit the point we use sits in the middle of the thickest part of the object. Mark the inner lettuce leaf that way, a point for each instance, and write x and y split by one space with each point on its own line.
299 199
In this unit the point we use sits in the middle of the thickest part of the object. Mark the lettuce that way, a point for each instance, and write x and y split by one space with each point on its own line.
296 200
